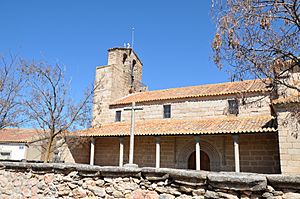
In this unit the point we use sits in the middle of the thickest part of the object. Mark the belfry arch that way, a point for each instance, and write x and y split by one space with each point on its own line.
186 151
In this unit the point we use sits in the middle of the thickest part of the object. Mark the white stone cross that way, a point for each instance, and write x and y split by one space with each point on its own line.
133 108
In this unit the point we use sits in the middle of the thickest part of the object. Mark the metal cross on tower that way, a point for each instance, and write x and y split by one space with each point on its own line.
131 147
132 37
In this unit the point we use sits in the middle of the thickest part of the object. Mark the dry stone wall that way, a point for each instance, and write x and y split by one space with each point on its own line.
37 180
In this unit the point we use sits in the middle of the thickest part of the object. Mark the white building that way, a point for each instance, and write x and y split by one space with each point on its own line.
18 144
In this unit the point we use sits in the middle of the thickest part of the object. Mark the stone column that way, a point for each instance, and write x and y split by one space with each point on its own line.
121 139
92 154
236 152
157 143
131 145
197 140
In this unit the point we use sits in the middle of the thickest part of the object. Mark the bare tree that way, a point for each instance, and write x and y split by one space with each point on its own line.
50 106
257 38
261 39
11 84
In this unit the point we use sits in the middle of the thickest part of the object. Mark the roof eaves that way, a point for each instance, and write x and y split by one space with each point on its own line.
238 131
286 101
13 141
185 97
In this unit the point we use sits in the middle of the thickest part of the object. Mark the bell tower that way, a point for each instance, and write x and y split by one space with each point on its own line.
128 71
120 77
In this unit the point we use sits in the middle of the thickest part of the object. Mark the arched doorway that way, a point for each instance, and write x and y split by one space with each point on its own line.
204 161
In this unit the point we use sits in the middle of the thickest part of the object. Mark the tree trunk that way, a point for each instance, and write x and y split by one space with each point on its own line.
48 150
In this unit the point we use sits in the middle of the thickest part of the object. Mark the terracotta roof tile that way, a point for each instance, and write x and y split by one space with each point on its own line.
16 135
246 86
289 99
184 127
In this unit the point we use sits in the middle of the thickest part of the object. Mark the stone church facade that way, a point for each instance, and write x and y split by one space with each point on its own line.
233 126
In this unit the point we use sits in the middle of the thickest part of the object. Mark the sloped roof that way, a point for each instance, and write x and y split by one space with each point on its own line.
289 99
246 86
226 125
18 135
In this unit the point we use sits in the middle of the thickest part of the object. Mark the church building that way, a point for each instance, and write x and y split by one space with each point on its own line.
233 126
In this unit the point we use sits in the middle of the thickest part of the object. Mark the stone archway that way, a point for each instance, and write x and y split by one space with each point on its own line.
204 162
186 151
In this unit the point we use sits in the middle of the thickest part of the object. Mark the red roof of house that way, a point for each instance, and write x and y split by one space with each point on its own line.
18 135
246 86
225 125
285 100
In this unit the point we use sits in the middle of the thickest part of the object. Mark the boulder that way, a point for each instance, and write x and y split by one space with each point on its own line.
137 194
151 195
166 196
291 196
211 195
117 194
227 195
198 192
98 191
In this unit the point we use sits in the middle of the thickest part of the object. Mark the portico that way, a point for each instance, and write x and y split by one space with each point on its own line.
175 152
235 150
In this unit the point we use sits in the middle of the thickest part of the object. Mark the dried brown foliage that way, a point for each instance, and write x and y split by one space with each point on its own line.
257 38
261 38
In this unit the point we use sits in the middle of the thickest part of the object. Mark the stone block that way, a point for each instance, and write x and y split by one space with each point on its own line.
211 195
284 181
294 151
182 176
237 181
296 145
291 196
166 196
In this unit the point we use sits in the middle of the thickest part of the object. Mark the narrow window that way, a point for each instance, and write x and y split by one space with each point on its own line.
118 116
167 111
233 107
124 58
132 72
5 155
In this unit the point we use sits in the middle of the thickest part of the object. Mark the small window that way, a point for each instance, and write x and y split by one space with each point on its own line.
167 111
5 155
118 116
21 147
233 107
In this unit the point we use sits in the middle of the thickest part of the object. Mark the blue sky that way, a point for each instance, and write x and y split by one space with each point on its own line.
172 38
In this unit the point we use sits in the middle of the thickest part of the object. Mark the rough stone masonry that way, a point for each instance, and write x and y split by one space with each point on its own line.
38 180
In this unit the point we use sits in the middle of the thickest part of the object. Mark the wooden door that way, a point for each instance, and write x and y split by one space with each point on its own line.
204 161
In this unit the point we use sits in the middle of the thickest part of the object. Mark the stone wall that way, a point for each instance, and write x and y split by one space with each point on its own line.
291 78
289 138
258 152
102 94
115 82
33 180
205 107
